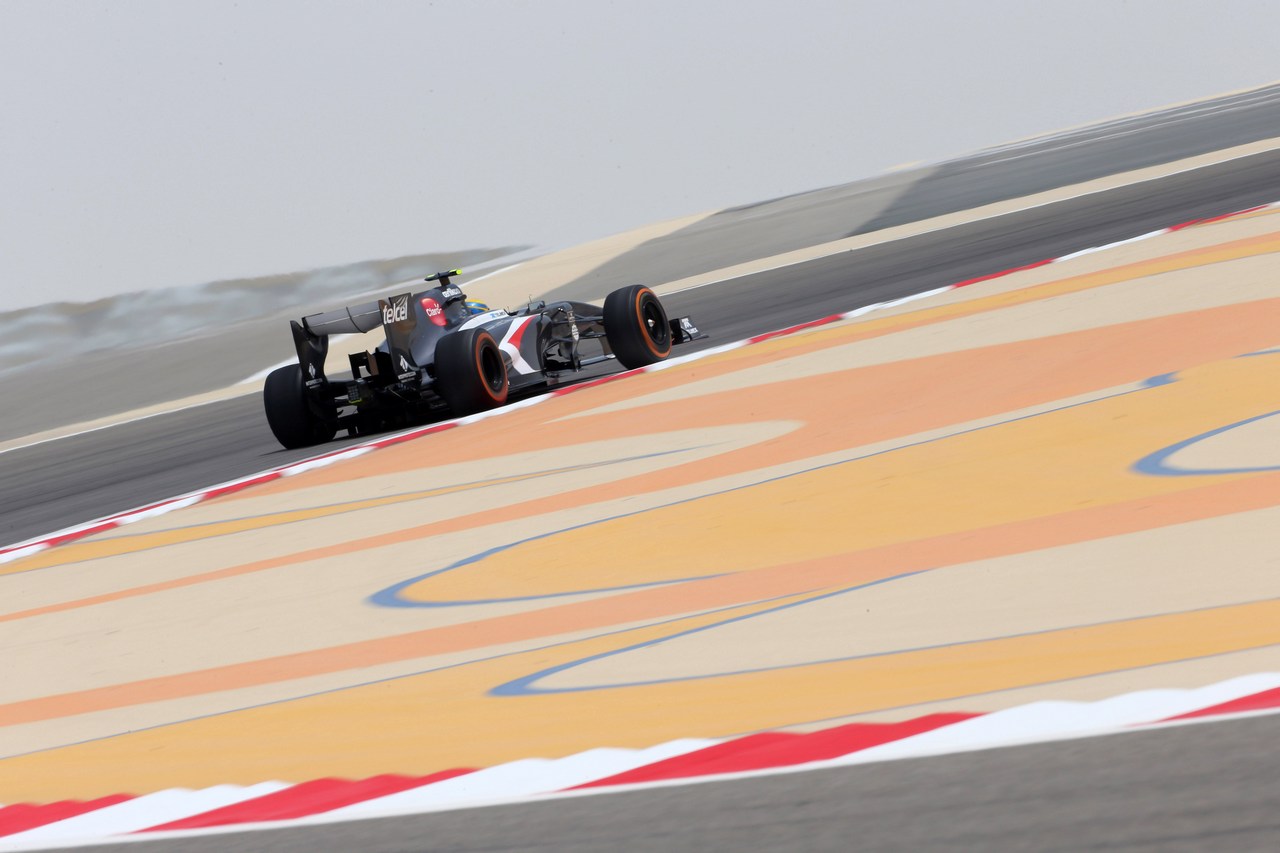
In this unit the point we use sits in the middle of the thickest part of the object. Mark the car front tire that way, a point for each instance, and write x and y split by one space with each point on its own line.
636 325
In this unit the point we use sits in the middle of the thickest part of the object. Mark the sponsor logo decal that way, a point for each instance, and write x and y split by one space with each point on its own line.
434 312
404 364
396 310
450 292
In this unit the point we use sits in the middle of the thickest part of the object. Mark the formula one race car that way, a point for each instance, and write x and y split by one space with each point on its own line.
446 356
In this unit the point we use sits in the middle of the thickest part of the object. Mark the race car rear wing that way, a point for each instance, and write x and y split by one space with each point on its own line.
311 335
356 319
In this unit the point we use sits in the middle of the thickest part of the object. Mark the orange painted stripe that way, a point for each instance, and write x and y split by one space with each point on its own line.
839 571
536 431
131 544
945 389
378 728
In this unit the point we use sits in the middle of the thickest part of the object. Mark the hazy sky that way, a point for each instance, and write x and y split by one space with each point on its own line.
148 144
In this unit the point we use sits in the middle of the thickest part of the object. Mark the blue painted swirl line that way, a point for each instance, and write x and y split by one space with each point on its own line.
1158 465
526 685
393 596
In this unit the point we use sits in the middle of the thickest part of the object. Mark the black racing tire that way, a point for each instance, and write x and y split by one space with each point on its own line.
636 325
289 412
470 373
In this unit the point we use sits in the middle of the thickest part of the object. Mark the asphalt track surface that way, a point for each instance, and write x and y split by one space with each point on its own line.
1010 171
57 484
1186 788
1189 788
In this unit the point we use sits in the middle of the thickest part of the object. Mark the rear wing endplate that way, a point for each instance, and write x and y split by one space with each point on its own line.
399 320
312 350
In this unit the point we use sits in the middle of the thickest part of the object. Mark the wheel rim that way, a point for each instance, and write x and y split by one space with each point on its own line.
491 370
654 323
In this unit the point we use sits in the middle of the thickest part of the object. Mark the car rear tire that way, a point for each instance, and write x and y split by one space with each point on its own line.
289 412
470 373
636 325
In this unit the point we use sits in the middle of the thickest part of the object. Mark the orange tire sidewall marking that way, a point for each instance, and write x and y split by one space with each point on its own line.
648 339
478 353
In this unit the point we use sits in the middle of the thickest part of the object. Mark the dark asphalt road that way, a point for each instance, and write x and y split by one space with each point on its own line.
1011 171
886 271
49 486
1122 145
1193 788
